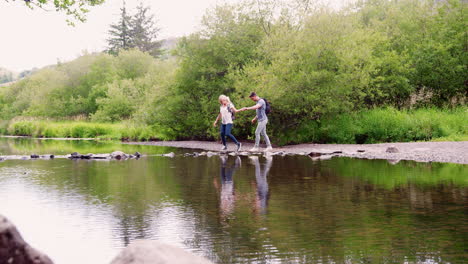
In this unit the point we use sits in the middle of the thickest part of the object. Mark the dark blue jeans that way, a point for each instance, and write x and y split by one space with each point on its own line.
226 131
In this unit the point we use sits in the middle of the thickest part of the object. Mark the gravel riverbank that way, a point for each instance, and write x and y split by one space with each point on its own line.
452 152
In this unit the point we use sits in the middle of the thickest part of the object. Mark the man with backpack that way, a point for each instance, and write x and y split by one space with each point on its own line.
262 108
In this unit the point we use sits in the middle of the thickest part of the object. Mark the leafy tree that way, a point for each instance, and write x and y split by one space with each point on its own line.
76 9
228 41
313 64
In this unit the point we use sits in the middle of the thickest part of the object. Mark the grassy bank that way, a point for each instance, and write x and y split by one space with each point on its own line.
369 126
73 129
385 125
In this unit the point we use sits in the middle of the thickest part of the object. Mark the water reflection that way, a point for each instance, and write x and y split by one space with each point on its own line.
241 210
227 192
261 173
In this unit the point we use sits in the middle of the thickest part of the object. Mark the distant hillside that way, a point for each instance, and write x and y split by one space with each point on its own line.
7 84
7 75
169 43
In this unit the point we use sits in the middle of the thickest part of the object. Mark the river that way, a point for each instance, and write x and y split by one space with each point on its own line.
234 209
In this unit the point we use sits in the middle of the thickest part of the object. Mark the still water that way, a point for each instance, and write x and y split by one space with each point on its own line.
235 210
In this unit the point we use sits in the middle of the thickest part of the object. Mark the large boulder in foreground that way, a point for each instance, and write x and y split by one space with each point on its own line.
14 250
154 252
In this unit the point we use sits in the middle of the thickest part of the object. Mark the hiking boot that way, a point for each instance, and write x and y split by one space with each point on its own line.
224 148
239 146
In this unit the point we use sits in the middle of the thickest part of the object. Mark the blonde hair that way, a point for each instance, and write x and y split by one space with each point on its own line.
223 97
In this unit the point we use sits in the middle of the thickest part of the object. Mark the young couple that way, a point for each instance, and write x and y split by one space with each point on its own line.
225 114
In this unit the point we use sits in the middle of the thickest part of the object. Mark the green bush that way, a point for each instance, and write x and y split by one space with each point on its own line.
383 125
22 128
50 129
331 75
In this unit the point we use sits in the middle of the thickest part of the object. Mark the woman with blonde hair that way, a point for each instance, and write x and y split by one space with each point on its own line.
226 114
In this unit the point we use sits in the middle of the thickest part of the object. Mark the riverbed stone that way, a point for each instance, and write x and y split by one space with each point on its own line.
13 248
169 155
392 149
118 155
155 252
101 156
87 156
393 161
315 154
211 154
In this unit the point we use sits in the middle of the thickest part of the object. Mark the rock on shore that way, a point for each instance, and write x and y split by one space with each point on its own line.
154 252
13 248
452 152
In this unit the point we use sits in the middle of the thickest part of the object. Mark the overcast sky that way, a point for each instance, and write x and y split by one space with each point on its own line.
36 38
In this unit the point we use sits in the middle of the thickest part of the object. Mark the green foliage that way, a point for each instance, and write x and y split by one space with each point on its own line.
75 9
367 73
73 129
319 65
228 42
98 86
387 125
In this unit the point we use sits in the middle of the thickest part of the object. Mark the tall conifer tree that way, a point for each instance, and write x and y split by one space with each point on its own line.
120 33
144 31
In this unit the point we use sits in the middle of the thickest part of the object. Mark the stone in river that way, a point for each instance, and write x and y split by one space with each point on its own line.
13 248
75 155
392 149
118 155
210 154
170 155
150 251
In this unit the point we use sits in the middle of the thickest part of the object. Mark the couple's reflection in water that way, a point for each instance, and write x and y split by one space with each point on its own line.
227 192
261 173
